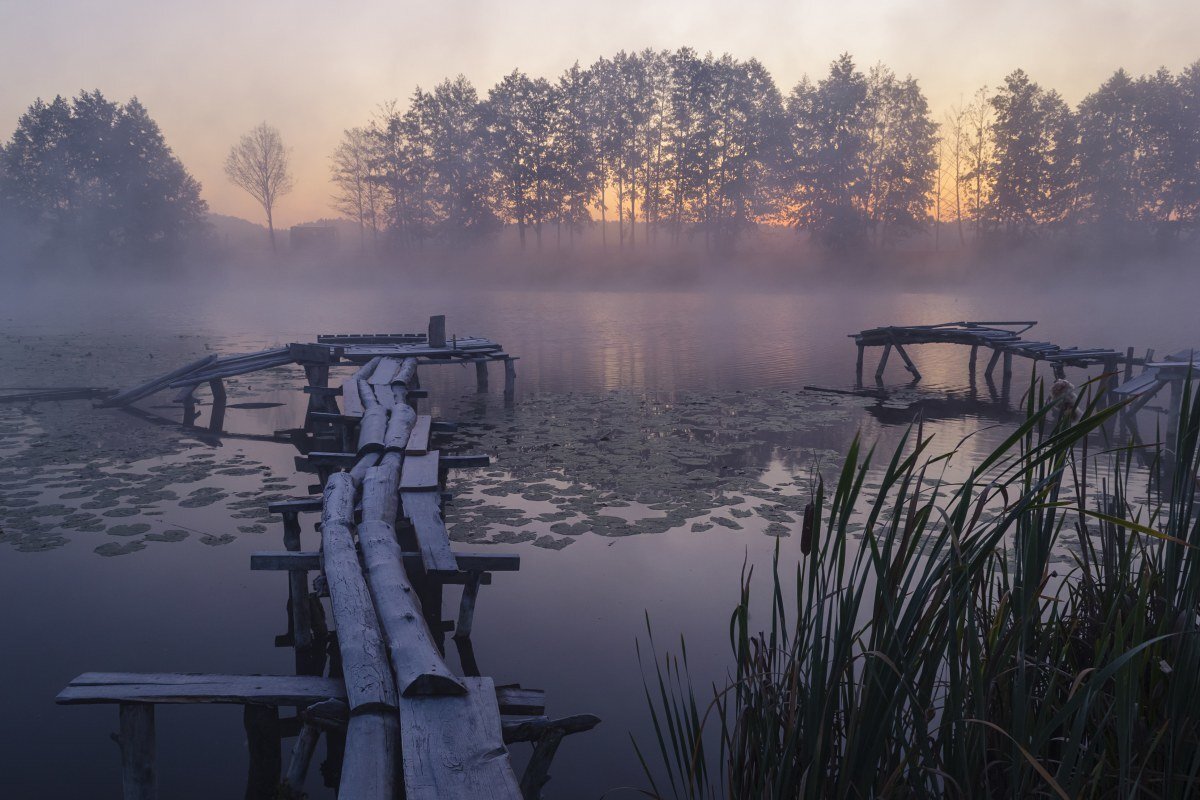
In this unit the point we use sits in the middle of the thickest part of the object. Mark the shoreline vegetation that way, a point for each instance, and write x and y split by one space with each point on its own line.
946 653
653 157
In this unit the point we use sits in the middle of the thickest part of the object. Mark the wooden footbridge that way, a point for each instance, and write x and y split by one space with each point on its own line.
1005 341
397 721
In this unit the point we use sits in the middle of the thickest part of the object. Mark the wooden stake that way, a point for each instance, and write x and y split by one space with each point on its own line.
139 776
887 351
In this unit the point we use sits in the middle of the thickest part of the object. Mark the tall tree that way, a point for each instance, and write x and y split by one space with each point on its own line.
97 177
1033 137
357 178
827 125
258 163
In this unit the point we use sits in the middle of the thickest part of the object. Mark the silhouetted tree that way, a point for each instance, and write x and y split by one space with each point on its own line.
258 163
1033 139
357 178
98 177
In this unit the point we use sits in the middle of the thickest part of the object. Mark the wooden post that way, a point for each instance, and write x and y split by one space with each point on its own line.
1008 358
510 376
887 351
1128 363
908 363
302 638
971 364
481 375
437 331
991 367
537 772
858 365
139 778
466 608
262 741
216 418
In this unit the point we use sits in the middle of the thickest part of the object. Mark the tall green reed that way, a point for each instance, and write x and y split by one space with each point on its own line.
948 652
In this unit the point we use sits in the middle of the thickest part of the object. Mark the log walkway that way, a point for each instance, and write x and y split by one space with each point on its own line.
398 722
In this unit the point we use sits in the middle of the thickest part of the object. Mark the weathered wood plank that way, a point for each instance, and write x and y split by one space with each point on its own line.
352 404
418 438
384 372
452 747
150 387
135 687
311 560
420 473
421 509
369 769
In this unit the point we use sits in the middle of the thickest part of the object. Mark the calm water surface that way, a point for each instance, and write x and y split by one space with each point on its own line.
608 380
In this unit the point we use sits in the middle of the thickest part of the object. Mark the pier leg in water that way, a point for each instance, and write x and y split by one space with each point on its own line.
908 363
971 363
298 604
883 359
216 418
481 375
510 377
1128 363
991 367
263 744
138 772
858 366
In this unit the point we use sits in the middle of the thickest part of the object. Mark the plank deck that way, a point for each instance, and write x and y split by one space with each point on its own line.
172 687
452 747
418 439
420 473
423 512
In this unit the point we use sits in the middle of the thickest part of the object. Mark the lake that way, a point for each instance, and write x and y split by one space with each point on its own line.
658 440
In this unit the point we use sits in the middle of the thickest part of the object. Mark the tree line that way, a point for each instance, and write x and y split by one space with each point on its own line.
652 149
675 146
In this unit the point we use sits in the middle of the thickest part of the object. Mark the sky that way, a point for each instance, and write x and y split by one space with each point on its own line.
209 71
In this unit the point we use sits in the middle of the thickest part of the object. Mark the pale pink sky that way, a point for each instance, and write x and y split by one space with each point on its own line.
208 71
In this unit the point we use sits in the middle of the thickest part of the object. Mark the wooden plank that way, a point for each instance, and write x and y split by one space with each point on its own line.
423 512
296 504
174 687
311 560
418 438
284 690
161 382
384 372
369 765
452 747
351 403
311 353
420 473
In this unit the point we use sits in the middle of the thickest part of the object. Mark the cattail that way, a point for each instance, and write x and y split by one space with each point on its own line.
806 534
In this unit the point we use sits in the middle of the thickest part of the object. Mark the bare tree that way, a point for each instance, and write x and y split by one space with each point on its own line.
258 163
358 176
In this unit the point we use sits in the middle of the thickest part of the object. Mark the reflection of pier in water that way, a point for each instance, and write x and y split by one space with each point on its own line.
397 721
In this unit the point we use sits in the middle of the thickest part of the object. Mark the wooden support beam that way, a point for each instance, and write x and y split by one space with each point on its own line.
510 375
858 364
991 367
263 743
139 771
466 606
973 361
1129 359
908 363
311 560
1008 364
481 375
887 351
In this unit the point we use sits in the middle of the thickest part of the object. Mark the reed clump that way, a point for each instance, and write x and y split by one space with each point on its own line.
950 651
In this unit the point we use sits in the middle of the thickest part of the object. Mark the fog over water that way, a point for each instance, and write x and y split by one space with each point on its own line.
702 383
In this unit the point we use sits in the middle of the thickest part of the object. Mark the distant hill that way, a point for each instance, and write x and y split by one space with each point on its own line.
237 232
